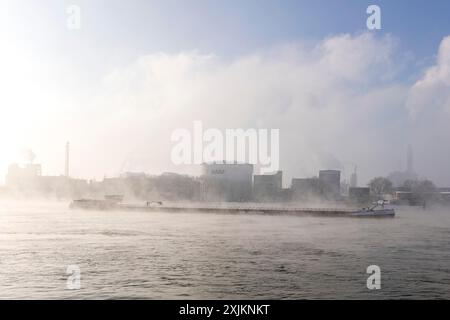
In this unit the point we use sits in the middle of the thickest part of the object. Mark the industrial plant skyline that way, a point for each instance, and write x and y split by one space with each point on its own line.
349 176
117 89
226 181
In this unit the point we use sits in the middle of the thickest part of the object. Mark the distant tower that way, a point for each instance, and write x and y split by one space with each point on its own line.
409 159
354 179
67 159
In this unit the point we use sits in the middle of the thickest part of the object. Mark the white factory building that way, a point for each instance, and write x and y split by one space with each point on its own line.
227 181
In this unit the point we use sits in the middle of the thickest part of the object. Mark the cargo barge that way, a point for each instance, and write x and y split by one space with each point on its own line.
377 210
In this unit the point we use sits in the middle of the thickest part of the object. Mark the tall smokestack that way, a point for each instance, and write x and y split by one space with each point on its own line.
67 159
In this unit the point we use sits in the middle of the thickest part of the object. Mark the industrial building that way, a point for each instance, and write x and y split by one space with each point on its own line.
28 181
223 181
359 195
140 186
305 189
23 179
268 187
354 179
19 176
330 183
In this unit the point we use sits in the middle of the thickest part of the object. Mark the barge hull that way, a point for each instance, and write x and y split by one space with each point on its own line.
95 205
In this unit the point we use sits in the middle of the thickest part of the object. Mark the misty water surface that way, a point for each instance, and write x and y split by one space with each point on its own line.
207 256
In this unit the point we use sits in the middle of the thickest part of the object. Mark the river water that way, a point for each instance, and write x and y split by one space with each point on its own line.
134 255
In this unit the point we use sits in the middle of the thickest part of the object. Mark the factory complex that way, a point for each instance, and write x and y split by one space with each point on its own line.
218 182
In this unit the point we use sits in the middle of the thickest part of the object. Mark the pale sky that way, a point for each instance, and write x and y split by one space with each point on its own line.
137 70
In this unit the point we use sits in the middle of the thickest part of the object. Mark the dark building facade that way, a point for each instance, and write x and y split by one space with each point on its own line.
305 189
268 187
330 183
359 195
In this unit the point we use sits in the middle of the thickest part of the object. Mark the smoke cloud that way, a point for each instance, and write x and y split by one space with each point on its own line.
337 103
